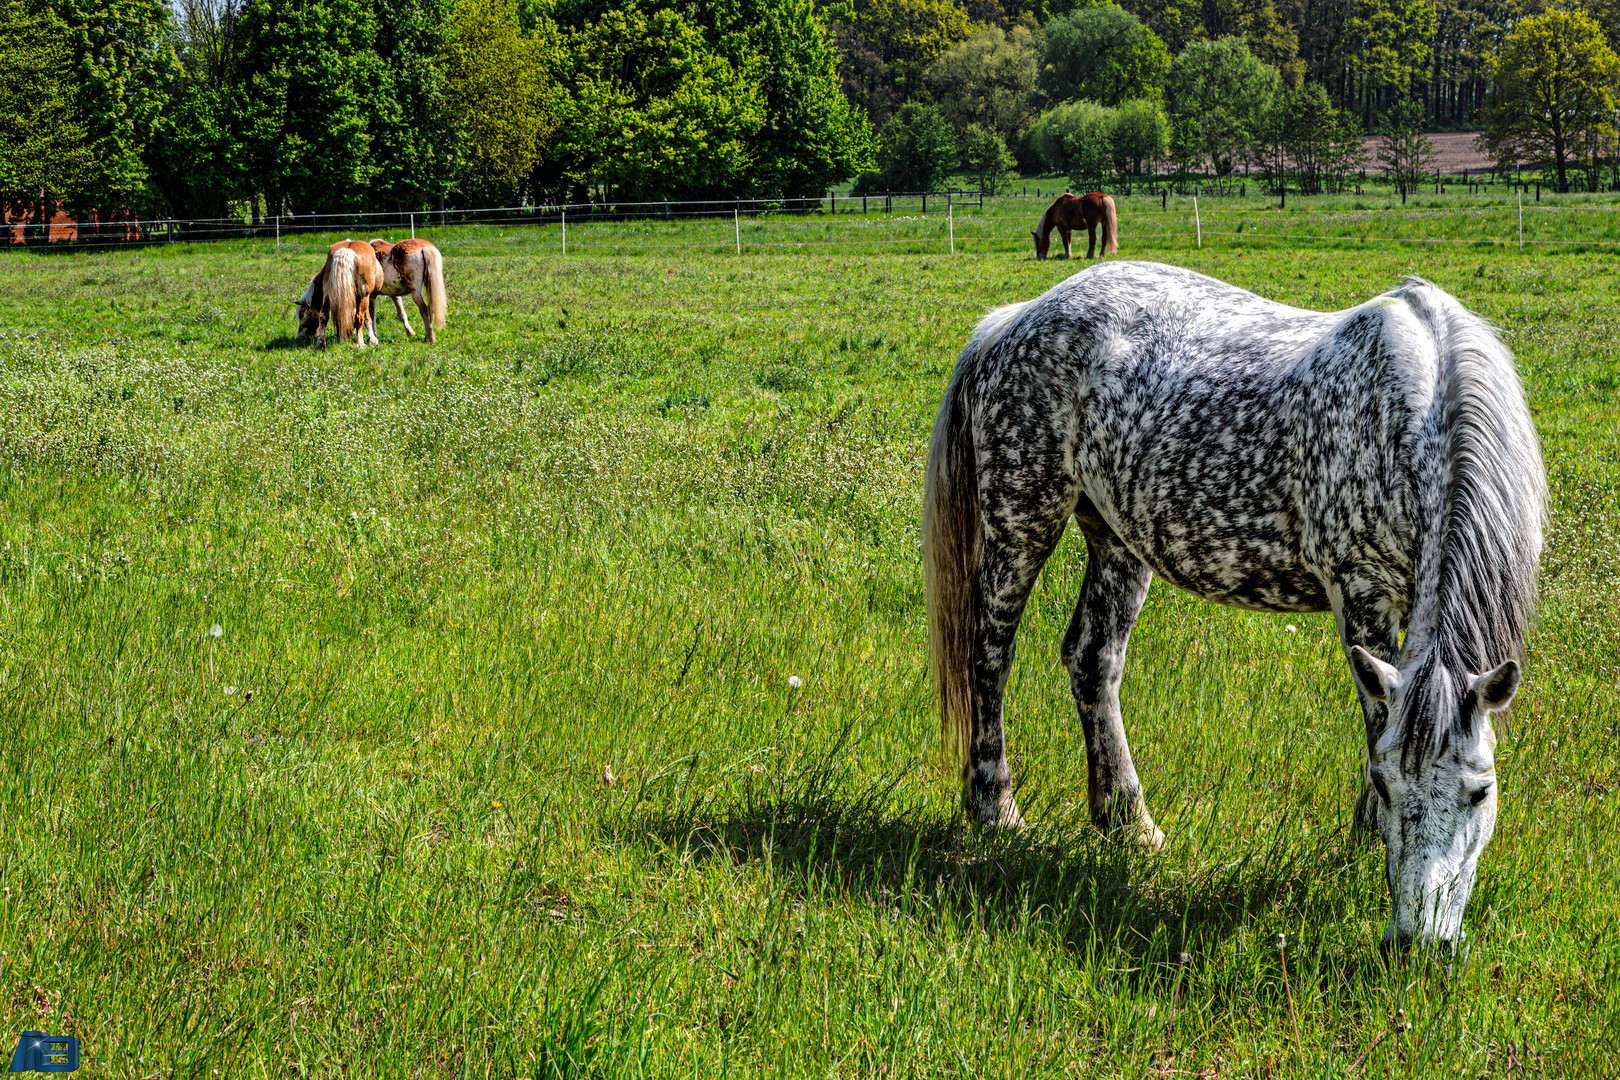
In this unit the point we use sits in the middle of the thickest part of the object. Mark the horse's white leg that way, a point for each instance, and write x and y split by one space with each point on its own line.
1369 625
1068 243
1111 595
422 310
1006 576
399 309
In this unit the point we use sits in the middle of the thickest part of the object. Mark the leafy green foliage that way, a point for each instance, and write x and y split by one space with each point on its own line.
1102 53
1075 138
308 91
1556 83
1305 135
43 141
503 96
987 161
1140 137
918 149
1406 154
658 113
988 80
123 65
1218 95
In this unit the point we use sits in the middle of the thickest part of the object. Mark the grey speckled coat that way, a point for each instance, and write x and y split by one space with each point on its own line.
1379 462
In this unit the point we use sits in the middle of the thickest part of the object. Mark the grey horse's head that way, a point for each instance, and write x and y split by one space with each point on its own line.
1434 770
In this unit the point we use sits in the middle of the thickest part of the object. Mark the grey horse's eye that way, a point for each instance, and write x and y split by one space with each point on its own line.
1383 789
1479 796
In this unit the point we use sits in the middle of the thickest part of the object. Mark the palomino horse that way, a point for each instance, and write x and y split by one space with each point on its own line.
1378 462
412 268
341 291
1072 212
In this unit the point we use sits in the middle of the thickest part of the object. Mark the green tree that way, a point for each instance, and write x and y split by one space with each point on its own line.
657 113
124 65
917 151
1406 154
909 35
192 159
414 137
1306 135
986 159
1555 90
1140 136
812 137
1219 95
1075 138
44 145
307 91
1102 54
987 80
502 95
748 92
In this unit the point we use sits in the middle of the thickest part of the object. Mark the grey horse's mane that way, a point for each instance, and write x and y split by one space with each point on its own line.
1494 505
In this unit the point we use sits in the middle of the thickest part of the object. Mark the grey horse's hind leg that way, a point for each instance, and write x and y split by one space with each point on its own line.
1115 586
1007 573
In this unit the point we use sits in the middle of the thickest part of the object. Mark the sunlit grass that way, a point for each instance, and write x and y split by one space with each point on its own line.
369 828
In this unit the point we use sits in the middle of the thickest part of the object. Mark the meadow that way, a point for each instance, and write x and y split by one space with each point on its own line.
425 711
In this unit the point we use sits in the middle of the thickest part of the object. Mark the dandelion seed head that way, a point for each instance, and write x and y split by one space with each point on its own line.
794 682
230 689
216 631
1292 629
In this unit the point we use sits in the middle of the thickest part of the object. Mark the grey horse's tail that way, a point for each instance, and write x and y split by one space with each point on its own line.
953 538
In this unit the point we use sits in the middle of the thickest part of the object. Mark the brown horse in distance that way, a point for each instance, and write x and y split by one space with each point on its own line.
1070 212
412 268
342 291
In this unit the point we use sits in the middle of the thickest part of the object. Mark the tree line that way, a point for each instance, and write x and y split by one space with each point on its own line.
209 108
1121 90
299 106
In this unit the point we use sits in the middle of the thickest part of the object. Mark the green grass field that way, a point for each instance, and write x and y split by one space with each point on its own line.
368 829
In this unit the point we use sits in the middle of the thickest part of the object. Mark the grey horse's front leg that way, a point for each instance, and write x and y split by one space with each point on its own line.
1368 625
1115 586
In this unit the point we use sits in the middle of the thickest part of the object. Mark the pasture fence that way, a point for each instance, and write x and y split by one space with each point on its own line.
919 222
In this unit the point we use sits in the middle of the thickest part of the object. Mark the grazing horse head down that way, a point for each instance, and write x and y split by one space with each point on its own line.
1378 462
1069 212
341 292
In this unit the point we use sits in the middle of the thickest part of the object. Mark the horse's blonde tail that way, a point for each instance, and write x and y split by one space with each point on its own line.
1110 226
433 286
340 292
953 540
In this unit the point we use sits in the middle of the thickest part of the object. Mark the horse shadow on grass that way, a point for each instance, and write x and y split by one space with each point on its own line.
1060 879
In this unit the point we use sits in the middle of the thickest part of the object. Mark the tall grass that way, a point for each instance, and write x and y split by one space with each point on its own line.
495 769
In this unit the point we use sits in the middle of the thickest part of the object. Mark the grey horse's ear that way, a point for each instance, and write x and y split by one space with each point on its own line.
1377 679
1496 687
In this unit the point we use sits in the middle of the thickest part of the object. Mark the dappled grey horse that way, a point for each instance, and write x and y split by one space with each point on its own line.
1379 462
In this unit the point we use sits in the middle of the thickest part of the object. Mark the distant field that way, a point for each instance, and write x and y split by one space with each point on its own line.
493 768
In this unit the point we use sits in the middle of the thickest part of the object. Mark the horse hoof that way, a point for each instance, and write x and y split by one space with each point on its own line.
1000 813
1148 836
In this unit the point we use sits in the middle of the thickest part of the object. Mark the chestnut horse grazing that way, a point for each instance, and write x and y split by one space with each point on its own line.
1070 212
342 291
412 268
